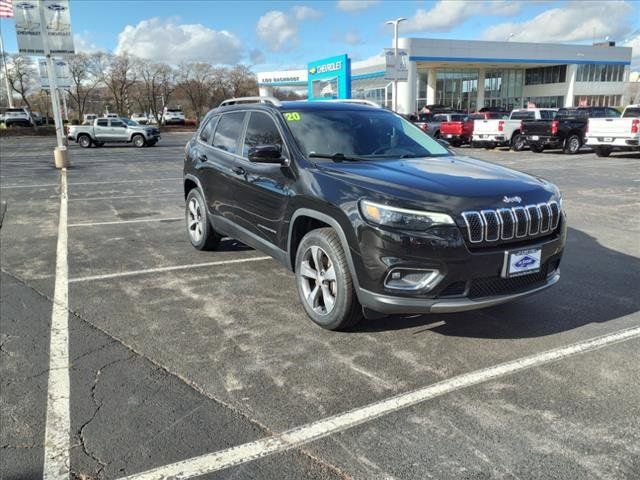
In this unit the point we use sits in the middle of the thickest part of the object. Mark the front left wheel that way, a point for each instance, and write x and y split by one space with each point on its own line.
201 233
138 141
324 282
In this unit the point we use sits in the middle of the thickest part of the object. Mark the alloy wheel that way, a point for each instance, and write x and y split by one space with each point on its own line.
317 279
195 220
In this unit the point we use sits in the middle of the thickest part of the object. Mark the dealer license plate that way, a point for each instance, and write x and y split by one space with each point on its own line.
535 137
449 135
522 262
607 139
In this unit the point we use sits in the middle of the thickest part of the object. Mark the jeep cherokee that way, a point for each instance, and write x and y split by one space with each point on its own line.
373 216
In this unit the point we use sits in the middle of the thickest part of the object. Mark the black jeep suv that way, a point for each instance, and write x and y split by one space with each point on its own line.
372 215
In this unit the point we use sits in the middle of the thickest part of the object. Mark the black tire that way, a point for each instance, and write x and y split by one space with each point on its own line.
98 144
151 143
603 151
138 140
84 141
536 148
346 310
518 142
195 210
572 144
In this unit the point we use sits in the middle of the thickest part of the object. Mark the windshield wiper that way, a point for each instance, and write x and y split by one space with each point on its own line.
337 157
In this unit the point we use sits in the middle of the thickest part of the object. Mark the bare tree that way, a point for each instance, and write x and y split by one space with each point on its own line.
22 77
241 82
157 81
119 76
197 81
85 74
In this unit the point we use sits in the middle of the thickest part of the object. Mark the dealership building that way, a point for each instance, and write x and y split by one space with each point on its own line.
468 75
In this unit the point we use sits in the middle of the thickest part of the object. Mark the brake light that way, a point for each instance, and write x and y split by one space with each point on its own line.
554 127
635 125
501 126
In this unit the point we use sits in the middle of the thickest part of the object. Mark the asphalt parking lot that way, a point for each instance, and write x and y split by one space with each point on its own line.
179 355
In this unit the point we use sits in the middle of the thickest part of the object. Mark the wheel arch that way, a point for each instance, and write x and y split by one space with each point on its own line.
307 216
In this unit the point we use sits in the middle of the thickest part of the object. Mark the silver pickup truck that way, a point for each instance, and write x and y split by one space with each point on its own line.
117 130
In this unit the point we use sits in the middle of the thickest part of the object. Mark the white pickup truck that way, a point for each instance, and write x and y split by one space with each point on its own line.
117 130
622 134
507 131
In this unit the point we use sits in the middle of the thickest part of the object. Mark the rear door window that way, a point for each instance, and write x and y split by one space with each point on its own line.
103 123
228 132
261 130
207 130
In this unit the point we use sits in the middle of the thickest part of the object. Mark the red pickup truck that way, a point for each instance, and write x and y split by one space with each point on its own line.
460 132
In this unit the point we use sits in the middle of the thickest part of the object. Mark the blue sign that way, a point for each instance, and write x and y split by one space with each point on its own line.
329 78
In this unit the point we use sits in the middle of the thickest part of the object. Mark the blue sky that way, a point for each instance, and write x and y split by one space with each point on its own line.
278 34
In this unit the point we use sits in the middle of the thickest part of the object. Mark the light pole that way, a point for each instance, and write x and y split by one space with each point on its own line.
395 24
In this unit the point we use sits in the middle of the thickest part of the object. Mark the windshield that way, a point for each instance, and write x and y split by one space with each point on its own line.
362 133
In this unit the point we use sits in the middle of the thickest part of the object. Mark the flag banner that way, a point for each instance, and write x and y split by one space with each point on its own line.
56 26
6 9
396 68
63 77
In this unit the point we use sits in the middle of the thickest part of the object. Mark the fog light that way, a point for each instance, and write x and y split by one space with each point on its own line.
412 279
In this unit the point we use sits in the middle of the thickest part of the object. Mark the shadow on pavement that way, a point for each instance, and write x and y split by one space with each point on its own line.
597 285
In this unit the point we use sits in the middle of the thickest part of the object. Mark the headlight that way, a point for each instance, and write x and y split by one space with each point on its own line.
402 218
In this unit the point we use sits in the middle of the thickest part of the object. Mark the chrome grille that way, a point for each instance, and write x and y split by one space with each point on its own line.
511 223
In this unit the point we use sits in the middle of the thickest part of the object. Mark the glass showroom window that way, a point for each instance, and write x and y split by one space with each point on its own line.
503 88
457 88
600 73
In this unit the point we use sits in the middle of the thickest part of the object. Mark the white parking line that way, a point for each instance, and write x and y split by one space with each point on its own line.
295 437
57 427
156 194
131 273
142 220
94 183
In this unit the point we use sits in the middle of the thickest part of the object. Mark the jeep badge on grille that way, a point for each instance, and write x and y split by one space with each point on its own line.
515 199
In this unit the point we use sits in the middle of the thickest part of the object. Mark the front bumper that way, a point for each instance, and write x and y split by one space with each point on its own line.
399 305
470 278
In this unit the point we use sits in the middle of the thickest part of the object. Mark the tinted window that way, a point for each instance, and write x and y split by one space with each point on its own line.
261 130
117 123
524 115
103 122
632 112
457 118
367 132
207 130
439 118
547 114
227 131
612 112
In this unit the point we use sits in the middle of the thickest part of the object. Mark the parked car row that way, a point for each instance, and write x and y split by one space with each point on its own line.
568 129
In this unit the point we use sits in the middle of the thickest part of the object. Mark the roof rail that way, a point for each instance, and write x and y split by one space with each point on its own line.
233 101
360 101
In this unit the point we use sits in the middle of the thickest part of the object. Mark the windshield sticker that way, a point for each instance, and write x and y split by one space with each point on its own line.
292 116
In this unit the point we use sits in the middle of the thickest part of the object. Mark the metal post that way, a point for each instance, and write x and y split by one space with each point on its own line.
6 73
395 24
60 153
63 94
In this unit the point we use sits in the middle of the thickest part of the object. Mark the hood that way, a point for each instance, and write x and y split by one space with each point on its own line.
432 178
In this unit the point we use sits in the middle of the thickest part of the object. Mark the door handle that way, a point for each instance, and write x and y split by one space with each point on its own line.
238 170
202 158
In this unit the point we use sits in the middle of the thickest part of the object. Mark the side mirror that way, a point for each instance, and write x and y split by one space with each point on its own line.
265 154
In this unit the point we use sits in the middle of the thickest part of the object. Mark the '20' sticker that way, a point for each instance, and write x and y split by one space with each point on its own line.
292 116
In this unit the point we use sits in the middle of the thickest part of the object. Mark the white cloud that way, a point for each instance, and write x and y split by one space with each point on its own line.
305 13
355 5
256 57
634 42
159 40
445 15
279 30
352 38
577 21
82 45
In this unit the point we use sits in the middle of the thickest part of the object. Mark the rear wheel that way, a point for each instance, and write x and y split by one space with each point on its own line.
201 234
572 144
324 283
603 151
138 140
537 148
518 142
84 141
